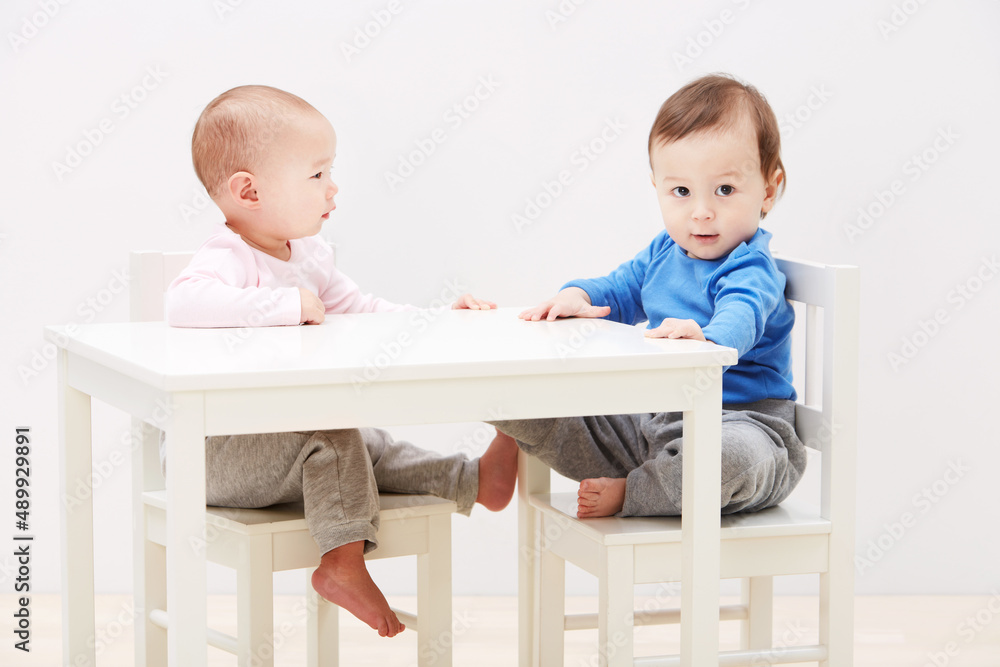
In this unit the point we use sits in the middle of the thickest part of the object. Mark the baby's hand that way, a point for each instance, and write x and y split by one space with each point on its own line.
469 302
313 310
673 328
570 302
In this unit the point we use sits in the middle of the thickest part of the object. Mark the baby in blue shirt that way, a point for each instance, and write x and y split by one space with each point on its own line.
714 150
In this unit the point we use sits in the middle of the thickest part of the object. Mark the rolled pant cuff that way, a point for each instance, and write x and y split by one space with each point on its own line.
352 531
527 432
468 486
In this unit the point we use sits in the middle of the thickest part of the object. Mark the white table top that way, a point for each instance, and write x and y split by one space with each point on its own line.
387 346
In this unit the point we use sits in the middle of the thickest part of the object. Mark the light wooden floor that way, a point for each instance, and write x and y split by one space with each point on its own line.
890 631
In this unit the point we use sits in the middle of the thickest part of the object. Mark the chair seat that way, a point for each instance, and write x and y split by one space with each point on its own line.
792 517
289 517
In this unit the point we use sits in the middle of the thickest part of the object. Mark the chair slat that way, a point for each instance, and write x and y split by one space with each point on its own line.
813 429
807 282
814 357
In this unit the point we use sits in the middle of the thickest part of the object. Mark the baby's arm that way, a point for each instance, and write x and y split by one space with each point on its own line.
744 299
342 295
619 292
219 289
570 302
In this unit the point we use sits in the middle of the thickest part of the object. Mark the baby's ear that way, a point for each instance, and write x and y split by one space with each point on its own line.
652 180
771 190
243 191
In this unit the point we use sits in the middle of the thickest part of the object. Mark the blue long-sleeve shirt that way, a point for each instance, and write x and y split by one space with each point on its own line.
738 301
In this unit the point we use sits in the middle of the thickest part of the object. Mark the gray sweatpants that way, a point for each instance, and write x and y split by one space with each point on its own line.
762 458
336 475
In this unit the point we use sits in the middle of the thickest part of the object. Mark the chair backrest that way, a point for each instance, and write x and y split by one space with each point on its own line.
150 273
826 415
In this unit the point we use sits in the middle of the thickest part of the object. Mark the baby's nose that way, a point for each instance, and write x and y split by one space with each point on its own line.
702 212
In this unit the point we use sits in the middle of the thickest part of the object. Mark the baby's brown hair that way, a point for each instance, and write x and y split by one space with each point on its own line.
721 102
235 129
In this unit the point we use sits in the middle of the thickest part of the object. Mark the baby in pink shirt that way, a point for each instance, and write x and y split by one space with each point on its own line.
265 156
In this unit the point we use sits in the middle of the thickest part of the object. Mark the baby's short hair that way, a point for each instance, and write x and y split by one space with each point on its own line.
721 102
235 129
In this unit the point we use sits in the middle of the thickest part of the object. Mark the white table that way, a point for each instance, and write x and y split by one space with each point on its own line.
367 370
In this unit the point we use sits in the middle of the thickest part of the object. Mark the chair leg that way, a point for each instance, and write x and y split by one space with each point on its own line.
434 635
836 618
617 607
150 593
149 558
255 604
551 608
528 524
322 628
757 595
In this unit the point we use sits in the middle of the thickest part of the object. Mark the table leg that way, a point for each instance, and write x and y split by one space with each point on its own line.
532 477
435 639
77 522
186 588
700 521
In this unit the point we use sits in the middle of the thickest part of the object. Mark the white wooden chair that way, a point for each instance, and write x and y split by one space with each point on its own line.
795 537
257 543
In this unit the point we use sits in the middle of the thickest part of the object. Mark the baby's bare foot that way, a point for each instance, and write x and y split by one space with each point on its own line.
343 579
603 496
498 473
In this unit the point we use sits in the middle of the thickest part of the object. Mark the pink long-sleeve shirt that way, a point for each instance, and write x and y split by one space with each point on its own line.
230 284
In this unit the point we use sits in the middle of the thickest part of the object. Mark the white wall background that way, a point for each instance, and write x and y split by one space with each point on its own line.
864 91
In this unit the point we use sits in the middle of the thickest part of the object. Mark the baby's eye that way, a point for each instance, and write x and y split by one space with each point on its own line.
680 191
725 190
320 174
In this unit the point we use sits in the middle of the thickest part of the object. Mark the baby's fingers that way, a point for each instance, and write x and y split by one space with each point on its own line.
472 303
559 310
662 331
535 313
674 328
595 311
483 304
